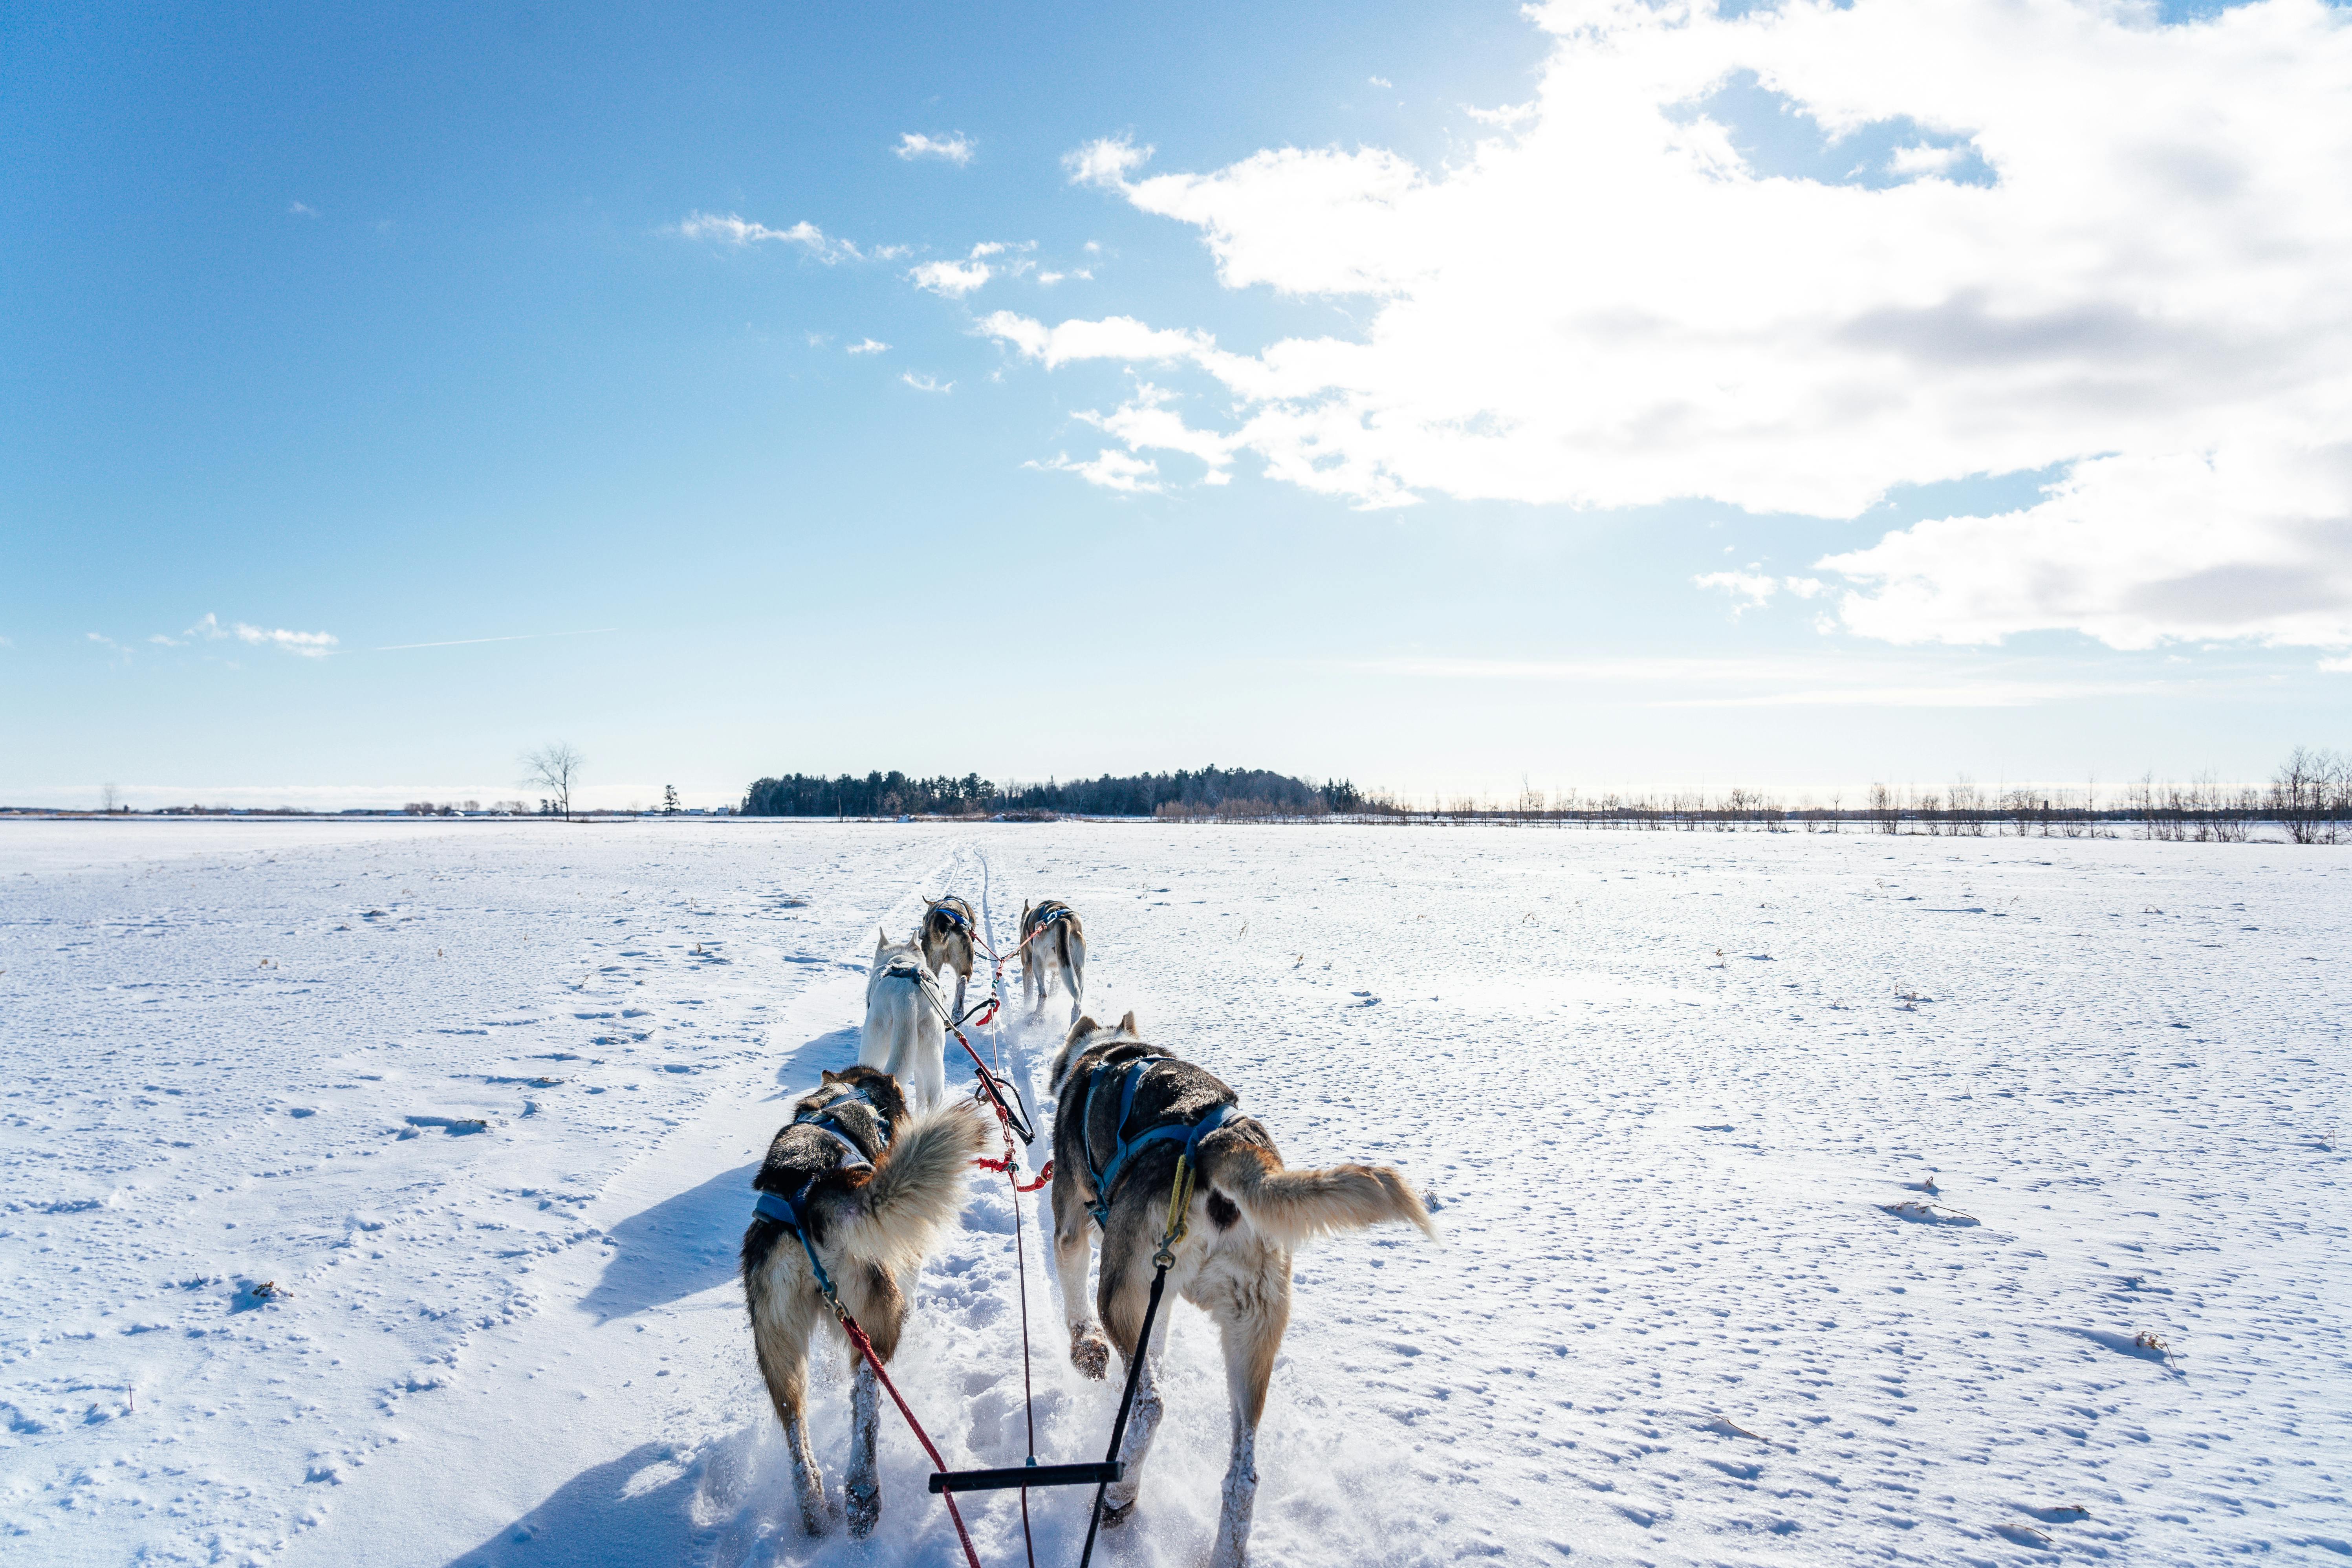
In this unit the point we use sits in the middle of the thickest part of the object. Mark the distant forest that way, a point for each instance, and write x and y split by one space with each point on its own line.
1204 792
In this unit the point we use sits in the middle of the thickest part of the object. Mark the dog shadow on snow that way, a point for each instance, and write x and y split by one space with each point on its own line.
722 1503
687 1244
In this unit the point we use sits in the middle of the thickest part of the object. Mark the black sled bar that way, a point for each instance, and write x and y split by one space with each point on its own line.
1100 1473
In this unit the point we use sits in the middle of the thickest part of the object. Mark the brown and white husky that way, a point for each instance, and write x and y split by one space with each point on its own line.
946 935
1054 949
871 1187
1247 1215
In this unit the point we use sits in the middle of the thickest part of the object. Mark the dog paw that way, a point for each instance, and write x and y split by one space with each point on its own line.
864 1508
1090 1353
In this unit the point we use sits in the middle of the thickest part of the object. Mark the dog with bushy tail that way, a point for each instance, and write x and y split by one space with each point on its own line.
1127 1112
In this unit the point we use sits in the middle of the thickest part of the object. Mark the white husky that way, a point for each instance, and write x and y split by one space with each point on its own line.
905 1034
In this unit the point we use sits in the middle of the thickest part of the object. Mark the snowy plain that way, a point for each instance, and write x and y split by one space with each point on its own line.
1668 1092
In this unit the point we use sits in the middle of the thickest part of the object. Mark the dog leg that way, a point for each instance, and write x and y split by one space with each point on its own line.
961 981
1232 1550
1250 1322
1090 1352
864 1487
1142 1425
1123 1314
1074 974
779 1335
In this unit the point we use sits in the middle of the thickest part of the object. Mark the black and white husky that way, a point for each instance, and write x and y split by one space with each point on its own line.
905 1033
1053 947
1126 1110
946 936
870 1185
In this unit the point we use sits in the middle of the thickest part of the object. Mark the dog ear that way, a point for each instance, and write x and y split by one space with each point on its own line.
1127 1024
1078 1031
881 939
829 1077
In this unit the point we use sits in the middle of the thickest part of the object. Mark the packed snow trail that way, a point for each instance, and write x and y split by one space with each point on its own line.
1806 1198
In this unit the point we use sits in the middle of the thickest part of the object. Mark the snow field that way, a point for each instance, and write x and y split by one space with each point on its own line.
1669 1092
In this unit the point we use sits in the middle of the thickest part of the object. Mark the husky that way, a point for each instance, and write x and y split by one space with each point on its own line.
946 935
905 1033
1247 1214
1053 947
873 1184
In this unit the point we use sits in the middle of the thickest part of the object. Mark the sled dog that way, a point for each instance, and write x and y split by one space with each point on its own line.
946 935
1056 951
873 1185
1247 1215
904 1035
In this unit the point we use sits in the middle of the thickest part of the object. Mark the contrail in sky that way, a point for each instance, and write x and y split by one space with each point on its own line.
464 642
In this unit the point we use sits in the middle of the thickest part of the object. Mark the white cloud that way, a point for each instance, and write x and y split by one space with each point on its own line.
2253 540
301 209
957 149
729 229
1754 590
1921 159
1606 305
1144 421
1379 81
925 383
1114 337
1745 586
307 645
953 280
1111 469
1105 162
1817 682
869 346
2334 666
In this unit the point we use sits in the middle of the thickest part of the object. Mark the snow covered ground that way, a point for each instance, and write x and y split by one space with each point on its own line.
1669 1092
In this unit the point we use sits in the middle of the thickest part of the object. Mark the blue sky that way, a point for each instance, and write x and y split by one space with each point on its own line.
415 331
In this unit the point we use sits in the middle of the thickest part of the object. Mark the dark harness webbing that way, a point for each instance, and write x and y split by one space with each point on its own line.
953 916
792 1212
1124 1148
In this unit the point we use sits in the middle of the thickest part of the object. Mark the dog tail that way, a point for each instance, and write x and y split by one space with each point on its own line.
1289 1207
916 1192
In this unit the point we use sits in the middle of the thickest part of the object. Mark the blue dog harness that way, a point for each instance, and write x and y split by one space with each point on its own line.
792 1212
1125 1148
952 915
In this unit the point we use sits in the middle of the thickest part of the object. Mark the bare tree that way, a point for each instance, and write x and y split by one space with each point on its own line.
108 797
555 768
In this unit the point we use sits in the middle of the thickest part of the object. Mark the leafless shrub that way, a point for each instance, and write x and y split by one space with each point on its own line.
555 768
1967 807
2311 795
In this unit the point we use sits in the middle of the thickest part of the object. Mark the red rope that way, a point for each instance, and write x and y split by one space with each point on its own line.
866 1348
1008 1163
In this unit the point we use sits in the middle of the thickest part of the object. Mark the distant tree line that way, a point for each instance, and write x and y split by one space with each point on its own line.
1186 792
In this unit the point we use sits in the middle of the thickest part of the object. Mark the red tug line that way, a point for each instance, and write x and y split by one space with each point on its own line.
944 1481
